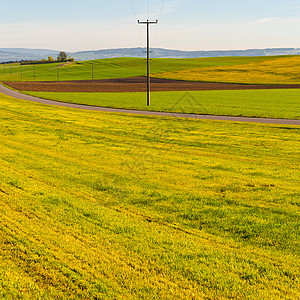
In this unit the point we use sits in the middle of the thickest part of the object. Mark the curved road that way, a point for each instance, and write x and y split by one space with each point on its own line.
6 91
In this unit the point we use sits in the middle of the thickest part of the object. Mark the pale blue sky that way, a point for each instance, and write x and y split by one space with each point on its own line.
74 25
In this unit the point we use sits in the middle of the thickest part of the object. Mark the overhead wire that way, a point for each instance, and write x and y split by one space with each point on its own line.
133 8
155 37
140 34
155 30
161 9
148 16
140 37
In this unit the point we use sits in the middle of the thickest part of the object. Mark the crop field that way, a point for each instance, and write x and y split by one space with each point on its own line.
264 71
136 84
280 70
200 69
114 206
281 103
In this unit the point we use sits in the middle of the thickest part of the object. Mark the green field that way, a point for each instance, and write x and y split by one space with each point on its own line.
125 67
251 103
111 206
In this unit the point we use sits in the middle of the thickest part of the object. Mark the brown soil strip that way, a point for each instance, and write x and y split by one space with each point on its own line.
134 84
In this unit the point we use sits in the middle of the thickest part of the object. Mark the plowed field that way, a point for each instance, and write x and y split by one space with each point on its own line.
133 84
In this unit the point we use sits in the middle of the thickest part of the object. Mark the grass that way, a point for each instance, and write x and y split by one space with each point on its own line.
280 70
111 206
116 68
251 103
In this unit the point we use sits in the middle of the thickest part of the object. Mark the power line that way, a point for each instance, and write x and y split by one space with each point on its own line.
140 38
148 41
148 9
155 37
134 9
148 56
161 9
155 32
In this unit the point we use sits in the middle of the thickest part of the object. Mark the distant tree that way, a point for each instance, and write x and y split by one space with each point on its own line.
62 56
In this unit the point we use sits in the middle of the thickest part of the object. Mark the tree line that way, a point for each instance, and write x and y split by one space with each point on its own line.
62 57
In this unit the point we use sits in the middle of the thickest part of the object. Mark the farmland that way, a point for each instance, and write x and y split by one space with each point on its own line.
265 72
280 70
99 205
111 206
224 69
250 103
106 68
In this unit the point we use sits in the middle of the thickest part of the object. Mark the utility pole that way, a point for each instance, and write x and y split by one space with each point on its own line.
148 57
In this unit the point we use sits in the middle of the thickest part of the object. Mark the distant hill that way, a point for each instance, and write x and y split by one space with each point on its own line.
165 53
16 54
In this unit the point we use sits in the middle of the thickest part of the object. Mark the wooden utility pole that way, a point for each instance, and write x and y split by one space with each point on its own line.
148 57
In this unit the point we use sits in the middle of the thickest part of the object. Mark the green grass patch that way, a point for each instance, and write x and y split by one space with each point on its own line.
111 206
250 103
115 68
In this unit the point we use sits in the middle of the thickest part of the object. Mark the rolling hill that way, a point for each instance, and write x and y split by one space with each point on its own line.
16 54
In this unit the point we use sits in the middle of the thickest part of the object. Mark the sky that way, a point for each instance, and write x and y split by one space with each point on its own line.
76 25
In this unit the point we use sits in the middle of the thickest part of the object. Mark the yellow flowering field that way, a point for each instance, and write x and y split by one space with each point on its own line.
280 70
114 206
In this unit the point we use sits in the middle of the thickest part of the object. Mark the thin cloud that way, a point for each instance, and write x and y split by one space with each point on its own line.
266 20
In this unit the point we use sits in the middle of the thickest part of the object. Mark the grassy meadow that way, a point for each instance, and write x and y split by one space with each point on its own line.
114 206
221 69
281 103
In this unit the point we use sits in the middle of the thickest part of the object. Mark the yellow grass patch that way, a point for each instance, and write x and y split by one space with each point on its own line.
114 206
282 70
